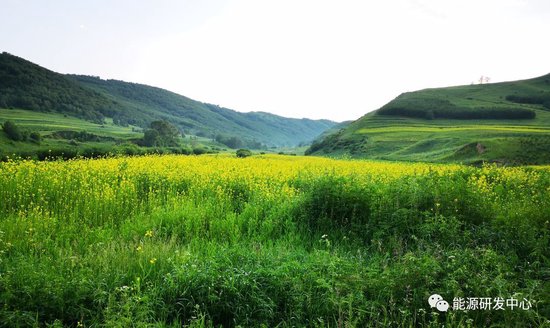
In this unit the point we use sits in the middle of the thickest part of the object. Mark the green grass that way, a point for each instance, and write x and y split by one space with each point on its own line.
446 129
116 139
50 122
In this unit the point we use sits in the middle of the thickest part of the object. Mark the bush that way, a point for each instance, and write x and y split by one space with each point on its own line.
57 153
130 149
186 151
199 151
12 131
81 136
242 153
35 137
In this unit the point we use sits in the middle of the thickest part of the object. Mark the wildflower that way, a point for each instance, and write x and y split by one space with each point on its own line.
153 260
139 248
149 233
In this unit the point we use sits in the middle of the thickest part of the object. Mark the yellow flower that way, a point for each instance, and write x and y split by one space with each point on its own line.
139 248
149 233
153 260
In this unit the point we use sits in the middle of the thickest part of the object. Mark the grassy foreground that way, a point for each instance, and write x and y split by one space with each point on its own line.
166 241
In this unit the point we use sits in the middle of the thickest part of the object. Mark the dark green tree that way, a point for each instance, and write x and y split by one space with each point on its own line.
151 138
231 142
161 134
168 133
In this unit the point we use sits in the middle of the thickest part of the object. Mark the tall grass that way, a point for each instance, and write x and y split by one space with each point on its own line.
166 241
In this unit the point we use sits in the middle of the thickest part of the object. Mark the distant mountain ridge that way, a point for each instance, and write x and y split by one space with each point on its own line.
26 85
506 122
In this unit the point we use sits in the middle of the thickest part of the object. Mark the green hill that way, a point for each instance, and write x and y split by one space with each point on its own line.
148 103
505 122
24 85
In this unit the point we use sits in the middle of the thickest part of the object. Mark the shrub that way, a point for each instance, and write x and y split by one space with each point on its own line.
186 151
242 153
12 131
199 151
57 153
35 137
130 149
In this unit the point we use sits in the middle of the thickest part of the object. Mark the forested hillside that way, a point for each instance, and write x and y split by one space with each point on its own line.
24 85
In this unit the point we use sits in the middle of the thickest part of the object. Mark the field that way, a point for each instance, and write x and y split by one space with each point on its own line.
267 241
47 124
443 140
60 137
50 122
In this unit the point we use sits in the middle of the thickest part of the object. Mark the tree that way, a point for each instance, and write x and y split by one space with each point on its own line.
484 79
231 142
161 133
12 131
151 138
168 133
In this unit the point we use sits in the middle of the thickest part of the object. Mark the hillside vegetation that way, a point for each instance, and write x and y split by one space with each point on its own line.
148 103
503 122
24 85
52 135
29 86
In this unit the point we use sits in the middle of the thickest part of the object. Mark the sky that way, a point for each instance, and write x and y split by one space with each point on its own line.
318 59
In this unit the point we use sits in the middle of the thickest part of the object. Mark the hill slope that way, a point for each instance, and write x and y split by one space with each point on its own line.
28 86
148 103
25 85
505 122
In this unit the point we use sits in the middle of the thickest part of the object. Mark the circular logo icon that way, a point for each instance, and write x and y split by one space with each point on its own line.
434 299
442 306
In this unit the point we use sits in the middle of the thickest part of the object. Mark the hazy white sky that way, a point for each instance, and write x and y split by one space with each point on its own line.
299 58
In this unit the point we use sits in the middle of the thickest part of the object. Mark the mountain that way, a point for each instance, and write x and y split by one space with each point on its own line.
148 103
506 122
24 85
